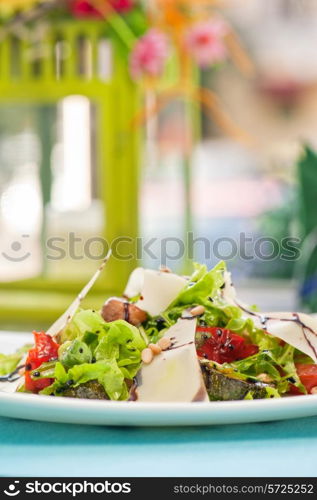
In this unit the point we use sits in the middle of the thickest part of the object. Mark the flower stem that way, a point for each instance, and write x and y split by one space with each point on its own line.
116 22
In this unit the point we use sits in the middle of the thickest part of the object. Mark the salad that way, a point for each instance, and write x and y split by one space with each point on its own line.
169 338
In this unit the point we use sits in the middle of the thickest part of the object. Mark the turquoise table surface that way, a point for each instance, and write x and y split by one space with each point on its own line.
287 448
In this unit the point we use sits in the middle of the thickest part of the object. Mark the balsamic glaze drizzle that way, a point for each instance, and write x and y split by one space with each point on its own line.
126 310
178 346
133 391
13 376
295 319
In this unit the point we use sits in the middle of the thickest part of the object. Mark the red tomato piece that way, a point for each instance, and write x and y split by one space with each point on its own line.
307 375
45 349
224 346
294 391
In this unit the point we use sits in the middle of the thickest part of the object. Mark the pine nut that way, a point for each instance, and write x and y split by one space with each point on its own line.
164 343
313 390
264 377
165 269
147 356
197 311
155 348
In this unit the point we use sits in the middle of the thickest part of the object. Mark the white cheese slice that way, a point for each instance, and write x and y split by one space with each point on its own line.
11 386
157 289
175 374
297 329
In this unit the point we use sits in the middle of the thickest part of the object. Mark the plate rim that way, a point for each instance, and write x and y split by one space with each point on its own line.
55 402
130 413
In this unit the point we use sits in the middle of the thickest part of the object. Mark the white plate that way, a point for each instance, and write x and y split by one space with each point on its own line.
76 411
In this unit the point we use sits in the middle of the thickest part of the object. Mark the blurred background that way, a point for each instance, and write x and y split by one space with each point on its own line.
94 147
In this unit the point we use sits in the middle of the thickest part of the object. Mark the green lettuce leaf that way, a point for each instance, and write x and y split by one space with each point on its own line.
202 286
272 361
95 350
271 392
123 343
85 321
107 373
9 362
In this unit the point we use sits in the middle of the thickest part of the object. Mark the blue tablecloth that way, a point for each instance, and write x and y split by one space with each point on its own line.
287 448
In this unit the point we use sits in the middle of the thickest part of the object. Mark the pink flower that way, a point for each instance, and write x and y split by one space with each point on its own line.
86 8
83 8
205 41
149 54
122 6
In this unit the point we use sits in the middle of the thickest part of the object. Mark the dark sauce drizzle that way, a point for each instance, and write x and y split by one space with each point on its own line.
178 346
126 310
133 395
295 319
13 376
